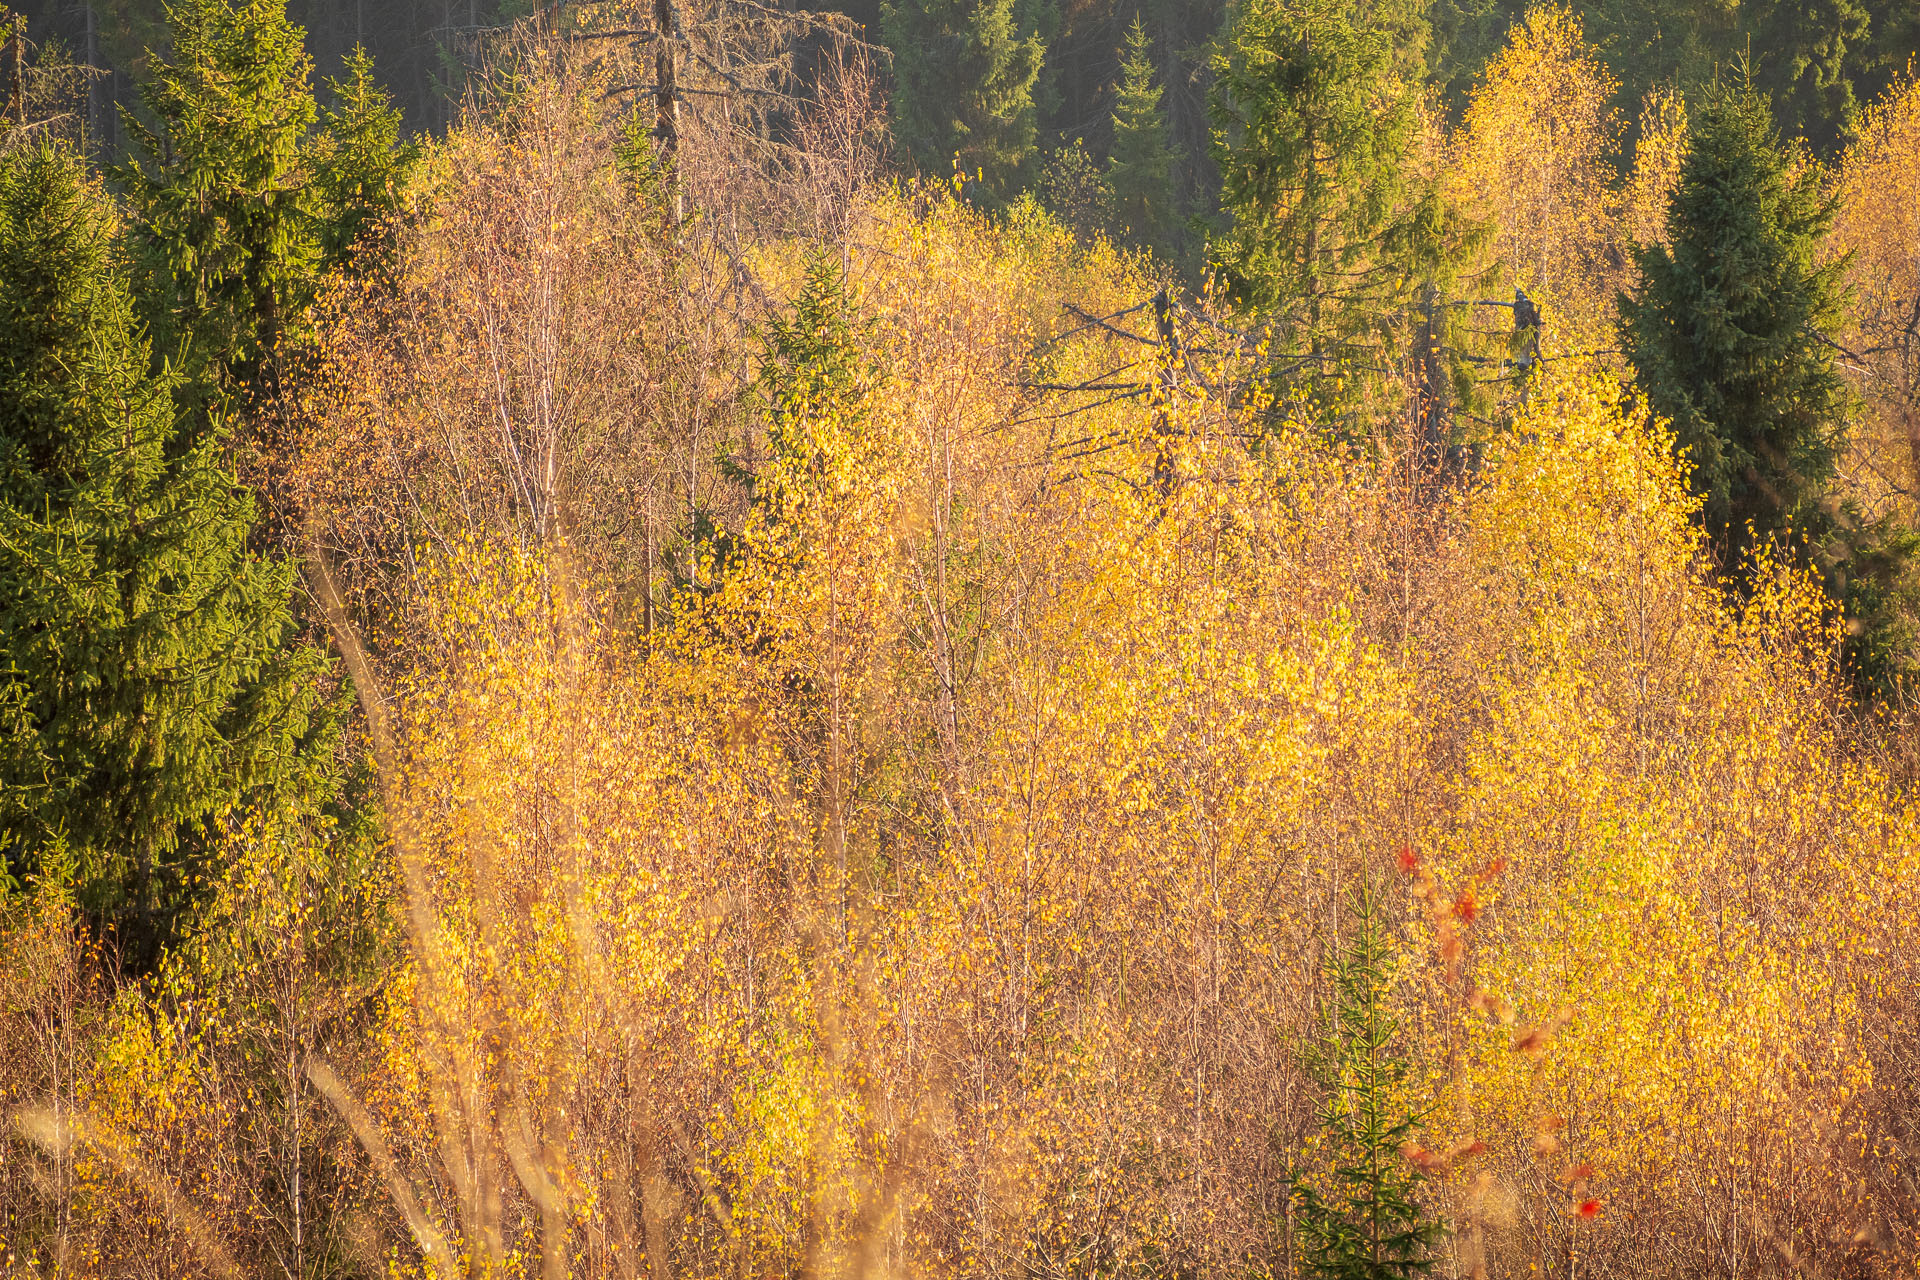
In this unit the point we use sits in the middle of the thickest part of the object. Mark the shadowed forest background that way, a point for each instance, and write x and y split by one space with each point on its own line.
970 638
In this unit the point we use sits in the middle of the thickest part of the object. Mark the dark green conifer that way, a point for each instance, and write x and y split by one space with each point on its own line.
1725 333
1333 230
814 372
243 203
223 190
1464 37
1140 166
150 681
964 75
1805 54
1357 1213
360 163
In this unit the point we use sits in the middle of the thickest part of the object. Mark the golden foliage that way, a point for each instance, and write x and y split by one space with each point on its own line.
1657 157
1534 155
1874 231
935 878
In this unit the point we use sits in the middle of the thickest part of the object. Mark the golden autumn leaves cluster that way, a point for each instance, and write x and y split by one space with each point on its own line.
898 829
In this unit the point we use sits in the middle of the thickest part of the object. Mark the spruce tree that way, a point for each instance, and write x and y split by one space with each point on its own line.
1725 331
222 192
1333 230
1140 166
1804 53
360 163
963 86
151 681
243 203
1358 1215
817 388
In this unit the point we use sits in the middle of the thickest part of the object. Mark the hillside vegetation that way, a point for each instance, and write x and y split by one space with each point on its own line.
583 700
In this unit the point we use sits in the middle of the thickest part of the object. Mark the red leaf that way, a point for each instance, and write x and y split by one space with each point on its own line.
1534 1041
1426 1161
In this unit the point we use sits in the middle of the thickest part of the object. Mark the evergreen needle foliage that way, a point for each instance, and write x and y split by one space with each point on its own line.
1726 332
361 162
1802 48
222 190
1140 167
152 682
245 203
813 364
1359 1219
964 79
1333 227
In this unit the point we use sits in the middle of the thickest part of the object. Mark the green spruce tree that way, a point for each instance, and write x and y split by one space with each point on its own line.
1357 1213
243 203
1805 54
359 162
1140 165
1727 340
1333 231
151 681
814 378
222 193
964 75
1725 331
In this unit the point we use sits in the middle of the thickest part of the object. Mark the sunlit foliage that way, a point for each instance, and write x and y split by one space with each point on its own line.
869 754
1875 229
1536 153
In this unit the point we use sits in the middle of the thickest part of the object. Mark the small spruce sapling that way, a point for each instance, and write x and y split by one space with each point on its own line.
1358 1217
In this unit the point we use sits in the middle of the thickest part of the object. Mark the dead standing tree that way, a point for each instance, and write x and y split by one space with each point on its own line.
605 327
44 92
749 102
757 111
1219 362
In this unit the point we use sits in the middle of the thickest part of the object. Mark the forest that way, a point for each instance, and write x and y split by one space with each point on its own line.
725 640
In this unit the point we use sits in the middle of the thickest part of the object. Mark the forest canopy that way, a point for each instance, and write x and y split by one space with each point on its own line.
969 638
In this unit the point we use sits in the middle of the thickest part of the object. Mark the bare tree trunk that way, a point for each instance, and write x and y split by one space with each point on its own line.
666 100
20 70
93 60
646 552
1163 461
1431 427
